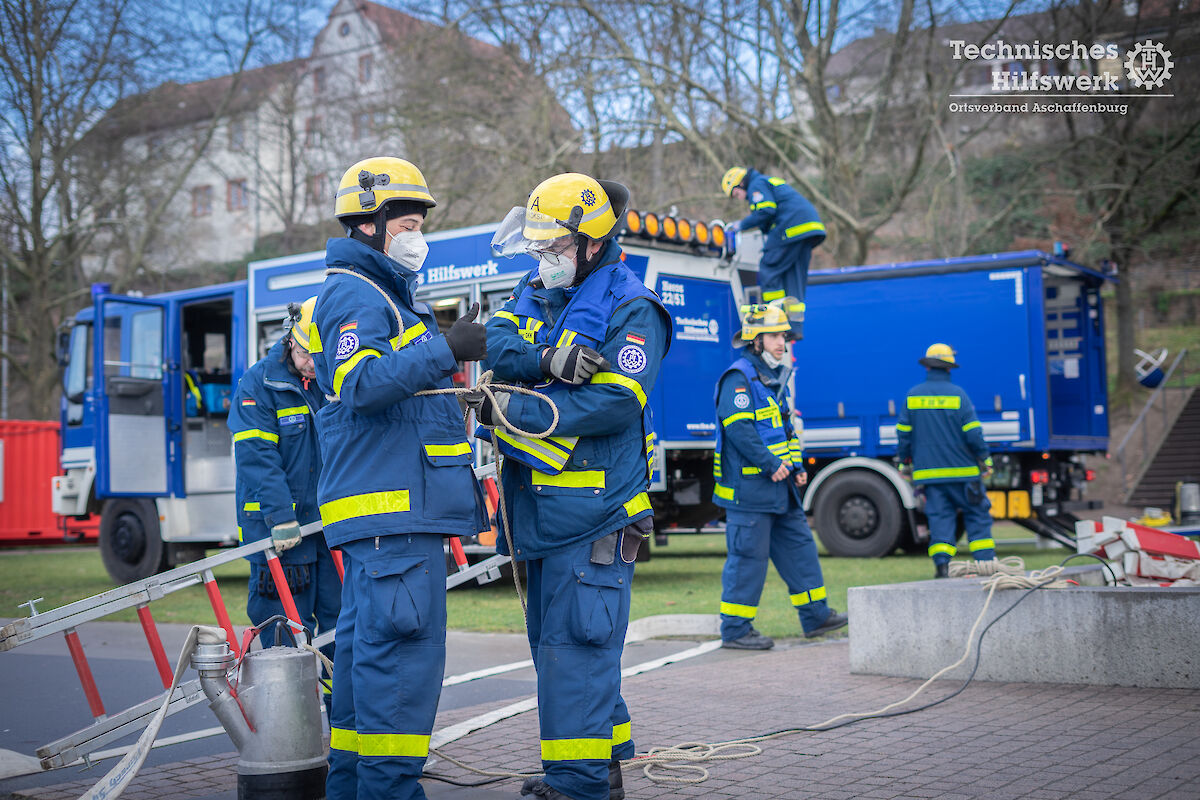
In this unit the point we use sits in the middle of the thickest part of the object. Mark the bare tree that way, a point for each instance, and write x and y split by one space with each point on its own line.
68 67
1135 175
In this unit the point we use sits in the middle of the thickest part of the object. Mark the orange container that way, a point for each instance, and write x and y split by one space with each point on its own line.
28 462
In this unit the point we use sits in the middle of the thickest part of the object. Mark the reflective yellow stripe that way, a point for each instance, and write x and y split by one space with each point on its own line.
195 392
239 527
364 505
342 739
732 418
287 412
751 470
793 308
565 338
763 204
773 295
554 451
577 749
807 227
935 401
314 340
460 449
983 544
776 181
723 492
811 596
581 479
972 426
640 503
339 374
394 342
411 745
251 507
622 733
508 315
945 472
255 433
737 610
622 380
900 426
947 549
411 333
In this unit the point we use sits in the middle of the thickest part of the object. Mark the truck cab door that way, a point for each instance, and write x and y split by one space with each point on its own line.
132 446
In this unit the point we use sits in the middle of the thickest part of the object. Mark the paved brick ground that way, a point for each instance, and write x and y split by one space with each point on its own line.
995 740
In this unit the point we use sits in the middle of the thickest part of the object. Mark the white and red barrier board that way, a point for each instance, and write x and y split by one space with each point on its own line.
1139 554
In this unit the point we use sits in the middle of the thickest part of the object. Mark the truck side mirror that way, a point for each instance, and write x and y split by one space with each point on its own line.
62 350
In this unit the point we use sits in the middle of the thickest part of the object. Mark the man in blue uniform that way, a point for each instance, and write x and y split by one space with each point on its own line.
586 331
759 469
791 229
941 440
397 478
272 416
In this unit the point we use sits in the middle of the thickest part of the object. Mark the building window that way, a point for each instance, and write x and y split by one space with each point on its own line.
237 136
319 80
364 124
235 195
312 132
365 63
316 190
344 30
201 201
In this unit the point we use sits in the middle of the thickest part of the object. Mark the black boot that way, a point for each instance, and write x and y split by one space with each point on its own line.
539 789
831 623
943 571
750 641
616 787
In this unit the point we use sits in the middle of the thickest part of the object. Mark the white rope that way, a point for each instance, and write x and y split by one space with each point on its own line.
1009 565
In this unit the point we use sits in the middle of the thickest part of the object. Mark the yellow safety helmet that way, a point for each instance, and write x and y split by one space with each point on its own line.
756 319
299 321
732 179
368 185
565 205
939 356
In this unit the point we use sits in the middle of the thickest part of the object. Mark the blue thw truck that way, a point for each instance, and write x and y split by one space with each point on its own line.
147 448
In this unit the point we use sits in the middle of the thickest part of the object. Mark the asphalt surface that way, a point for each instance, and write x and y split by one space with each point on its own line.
994 740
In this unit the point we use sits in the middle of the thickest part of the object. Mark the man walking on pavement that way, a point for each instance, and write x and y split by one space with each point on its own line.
941 441
759 471
273 419
397 478
588 328
791 229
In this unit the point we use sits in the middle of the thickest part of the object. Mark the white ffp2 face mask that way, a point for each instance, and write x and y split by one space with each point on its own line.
409 249
557 270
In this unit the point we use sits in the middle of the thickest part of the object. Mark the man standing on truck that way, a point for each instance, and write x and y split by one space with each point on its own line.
587 326
791 229
397 478
272 416
759 471
941 441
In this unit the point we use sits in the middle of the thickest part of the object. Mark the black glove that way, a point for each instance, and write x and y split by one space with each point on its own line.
484 408
467 338
574 364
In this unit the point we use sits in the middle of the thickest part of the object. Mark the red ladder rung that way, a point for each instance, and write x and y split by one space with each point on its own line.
156 645
85 673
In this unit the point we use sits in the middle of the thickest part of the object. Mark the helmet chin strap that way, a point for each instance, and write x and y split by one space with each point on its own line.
374 241
583 265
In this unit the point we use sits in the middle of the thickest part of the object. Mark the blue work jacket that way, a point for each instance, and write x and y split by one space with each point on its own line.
599 482
939 432
780 212
272 416
394 462
755 437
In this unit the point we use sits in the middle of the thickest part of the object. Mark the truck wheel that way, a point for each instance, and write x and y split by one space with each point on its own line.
130 543
858 515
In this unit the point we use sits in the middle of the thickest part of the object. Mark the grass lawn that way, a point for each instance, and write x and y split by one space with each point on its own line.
681 578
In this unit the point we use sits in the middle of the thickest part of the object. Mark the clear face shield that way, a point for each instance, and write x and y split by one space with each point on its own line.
555 253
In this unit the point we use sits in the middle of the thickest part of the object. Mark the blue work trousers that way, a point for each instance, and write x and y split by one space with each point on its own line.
578 613
389 669
319 600
943 501
751 538
784 268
